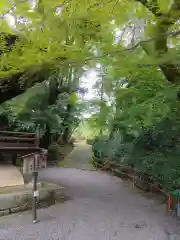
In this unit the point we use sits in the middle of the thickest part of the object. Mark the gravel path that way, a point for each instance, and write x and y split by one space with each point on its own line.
101 207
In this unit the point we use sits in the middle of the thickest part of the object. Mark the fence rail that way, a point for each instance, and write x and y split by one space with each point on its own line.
115 168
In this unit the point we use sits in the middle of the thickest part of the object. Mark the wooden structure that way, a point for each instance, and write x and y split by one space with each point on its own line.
26 146
19 141
40 161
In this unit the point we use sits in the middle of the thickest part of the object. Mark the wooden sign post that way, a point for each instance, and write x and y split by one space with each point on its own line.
35 191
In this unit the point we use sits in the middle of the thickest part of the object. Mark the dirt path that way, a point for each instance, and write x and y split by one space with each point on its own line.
80 157
101 207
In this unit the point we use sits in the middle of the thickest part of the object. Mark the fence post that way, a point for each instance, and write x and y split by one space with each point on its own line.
169 202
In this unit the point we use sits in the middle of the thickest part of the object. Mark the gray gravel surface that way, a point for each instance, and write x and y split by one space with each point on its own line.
100 207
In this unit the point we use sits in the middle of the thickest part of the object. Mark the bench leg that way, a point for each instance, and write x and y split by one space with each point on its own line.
14 159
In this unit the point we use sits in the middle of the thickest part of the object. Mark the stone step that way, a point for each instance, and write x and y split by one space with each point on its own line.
16 199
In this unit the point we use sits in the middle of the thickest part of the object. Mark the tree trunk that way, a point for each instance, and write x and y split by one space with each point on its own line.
163 22
53 95
45 141
66 125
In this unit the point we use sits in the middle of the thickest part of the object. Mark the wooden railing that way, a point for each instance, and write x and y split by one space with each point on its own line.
133 175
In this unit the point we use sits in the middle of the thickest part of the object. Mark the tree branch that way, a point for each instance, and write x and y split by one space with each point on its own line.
154 9
164 20
111 53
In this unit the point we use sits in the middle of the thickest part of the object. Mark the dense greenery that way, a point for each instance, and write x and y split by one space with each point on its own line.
144 129
50 105
133 45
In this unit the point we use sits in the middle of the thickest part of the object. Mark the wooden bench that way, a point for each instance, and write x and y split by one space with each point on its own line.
26 145
17 141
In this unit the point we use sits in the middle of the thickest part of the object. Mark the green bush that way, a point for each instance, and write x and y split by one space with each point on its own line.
155 151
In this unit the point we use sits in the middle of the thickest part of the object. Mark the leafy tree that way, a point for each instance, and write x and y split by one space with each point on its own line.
92 29
47 105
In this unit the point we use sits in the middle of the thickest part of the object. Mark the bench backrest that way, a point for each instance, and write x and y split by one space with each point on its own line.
18 140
